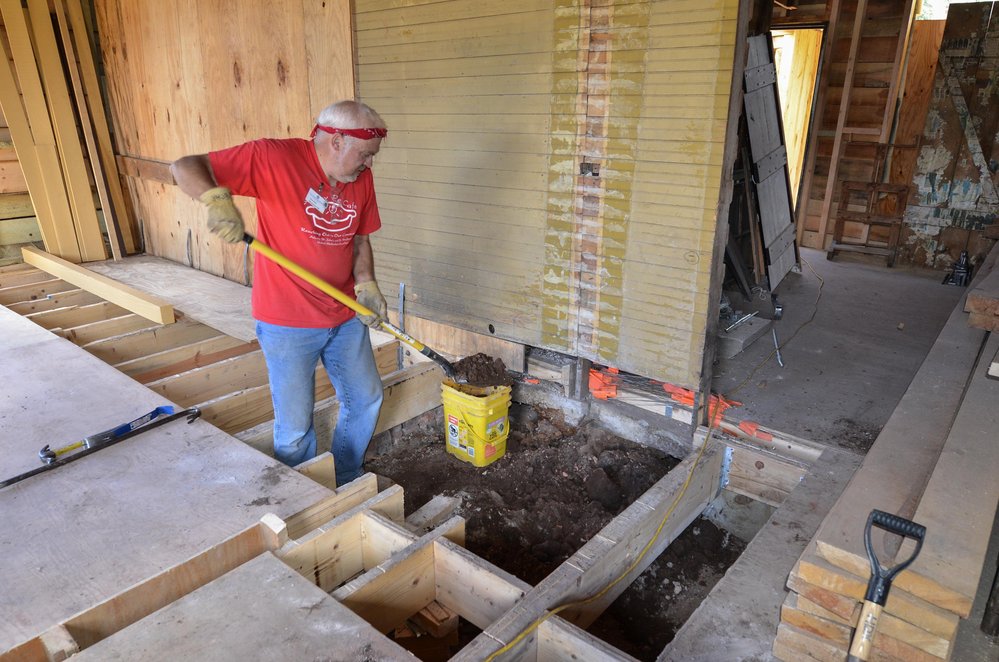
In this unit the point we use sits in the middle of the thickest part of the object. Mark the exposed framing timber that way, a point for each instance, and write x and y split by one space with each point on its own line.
73 297
71 316
60 109
118 215
109 328
128 297
844 109
23 277
32 291
149 341
582 587
175 360
33 139
215 380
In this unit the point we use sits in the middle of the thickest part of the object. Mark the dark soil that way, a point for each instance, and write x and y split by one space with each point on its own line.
552 491
482 370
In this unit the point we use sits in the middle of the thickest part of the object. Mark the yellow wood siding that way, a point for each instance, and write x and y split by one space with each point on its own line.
493 109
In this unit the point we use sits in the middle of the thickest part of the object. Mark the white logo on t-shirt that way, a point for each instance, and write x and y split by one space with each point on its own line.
338 216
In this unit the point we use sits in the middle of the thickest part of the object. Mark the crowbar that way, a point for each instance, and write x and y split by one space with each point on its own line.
881 578
351 303
53 458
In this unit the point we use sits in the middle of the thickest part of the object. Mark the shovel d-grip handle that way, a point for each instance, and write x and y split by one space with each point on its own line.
881 578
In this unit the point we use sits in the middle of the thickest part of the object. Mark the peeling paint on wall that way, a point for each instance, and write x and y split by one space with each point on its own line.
954 185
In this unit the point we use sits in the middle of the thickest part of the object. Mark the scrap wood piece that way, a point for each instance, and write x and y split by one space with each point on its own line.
436 619
148 306
984 297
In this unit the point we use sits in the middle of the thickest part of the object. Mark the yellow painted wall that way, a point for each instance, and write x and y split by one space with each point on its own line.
492 107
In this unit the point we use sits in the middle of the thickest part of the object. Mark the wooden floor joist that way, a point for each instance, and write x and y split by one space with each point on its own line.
349 551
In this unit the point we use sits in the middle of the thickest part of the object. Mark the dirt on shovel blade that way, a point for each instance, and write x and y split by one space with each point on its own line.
482 370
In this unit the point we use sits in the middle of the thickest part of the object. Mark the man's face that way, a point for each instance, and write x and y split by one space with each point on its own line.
351 156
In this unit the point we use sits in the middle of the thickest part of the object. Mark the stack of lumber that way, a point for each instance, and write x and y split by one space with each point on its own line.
983 303
934 463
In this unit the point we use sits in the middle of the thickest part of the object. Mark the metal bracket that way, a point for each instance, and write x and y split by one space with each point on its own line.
725 467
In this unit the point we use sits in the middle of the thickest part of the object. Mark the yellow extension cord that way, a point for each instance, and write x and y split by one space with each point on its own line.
645 550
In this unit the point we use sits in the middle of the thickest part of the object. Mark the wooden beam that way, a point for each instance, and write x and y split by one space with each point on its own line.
149 341
118 215
408 393
23 277
471 586
77 315
148 306
561 641
173 361
388 594
33 138
321 469
86 127
143 599
844 109
459 342
347 496
758 473
949 567
145 169
73 297
104 329
214 380
240 410
81 201
593 577
332 552
33 291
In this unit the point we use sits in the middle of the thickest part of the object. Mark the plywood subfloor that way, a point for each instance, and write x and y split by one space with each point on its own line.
82 533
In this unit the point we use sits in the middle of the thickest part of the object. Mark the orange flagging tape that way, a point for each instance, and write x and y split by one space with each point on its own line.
753 429
716 403
603 385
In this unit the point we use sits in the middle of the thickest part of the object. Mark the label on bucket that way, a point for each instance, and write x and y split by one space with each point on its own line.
452 430
495 428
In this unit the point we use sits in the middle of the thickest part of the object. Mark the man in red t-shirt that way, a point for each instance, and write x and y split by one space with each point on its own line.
315 204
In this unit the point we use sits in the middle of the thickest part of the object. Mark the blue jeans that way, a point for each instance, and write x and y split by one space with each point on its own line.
292 355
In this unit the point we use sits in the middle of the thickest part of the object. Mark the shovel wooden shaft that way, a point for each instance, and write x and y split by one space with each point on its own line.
346 300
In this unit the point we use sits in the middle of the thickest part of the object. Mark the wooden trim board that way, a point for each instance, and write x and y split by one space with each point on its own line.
128 297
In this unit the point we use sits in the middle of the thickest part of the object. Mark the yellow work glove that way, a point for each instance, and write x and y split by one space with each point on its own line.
223 217
369 296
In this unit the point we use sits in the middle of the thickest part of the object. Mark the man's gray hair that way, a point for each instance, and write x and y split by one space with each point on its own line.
350 115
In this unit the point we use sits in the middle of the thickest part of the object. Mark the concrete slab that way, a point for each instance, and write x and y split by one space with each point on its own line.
853 335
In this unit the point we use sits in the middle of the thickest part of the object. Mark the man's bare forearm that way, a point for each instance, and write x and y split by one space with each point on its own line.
193 174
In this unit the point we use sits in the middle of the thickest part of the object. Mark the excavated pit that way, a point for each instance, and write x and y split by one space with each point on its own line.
555 488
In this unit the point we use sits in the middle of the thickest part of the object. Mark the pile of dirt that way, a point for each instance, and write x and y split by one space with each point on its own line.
482 370
554 489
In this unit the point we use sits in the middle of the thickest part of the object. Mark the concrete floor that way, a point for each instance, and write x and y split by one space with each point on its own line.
853 335
846 368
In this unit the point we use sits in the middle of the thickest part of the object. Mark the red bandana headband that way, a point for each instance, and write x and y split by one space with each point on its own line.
363 134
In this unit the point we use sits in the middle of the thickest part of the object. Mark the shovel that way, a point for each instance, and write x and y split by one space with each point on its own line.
881 578
351 303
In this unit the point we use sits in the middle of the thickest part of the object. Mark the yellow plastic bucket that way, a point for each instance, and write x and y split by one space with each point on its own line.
475 421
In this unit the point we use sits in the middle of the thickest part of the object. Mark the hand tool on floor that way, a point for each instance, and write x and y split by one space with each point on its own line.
351 303
52 458
881 578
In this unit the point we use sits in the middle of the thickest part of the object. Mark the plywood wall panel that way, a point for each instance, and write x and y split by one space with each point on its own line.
187 77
